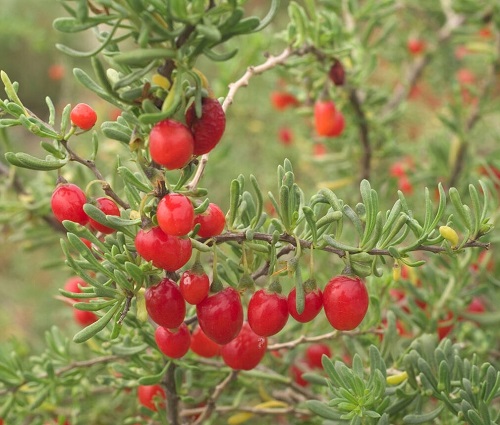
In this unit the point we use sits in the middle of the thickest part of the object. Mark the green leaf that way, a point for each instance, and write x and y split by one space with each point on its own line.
24 160
142 57
273 10
462 212
90 84
424 418
98 326
321 409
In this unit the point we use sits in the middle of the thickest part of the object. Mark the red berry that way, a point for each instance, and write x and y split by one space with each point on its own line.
297 371
337 73
67 203
212 221
108 207
56 72
405 186
175 214
245 351
345 300
415 46
282 100
174 343
194 286
203 345
209 128
328 120
165 304
171 144
319 150
267 312
314 354
164 251
73 284
397 170
84 317
151 396
83 116
221 315
445 325
476 306
285 136
313 305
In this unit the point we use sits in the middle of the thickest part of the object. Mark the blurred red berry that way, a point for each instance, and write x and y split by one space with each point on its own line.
282 100
416 46
285 136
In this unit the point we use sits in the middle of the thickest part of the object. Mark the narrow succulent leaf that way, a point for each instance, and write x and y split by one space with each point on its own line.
463 214
321 409
259 197
351 215
425 418
24 160
97 326
340 245
234 201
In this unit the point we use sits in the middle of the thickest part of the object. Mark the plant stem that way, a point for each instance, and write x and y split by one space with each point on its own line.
172 396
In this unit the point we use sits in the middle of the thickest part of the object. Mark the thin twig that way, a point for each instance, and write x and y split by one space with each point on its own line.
172 396
74 365
248 409
92 167
210 407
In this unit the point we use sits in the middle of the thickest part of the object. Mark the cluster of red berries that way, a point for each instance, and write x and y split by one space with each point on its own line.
173 144
222 328
67 203
399 170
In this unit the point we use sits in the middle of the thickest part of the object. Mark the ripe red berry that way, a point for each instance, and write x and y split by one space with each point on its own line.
67 203
314 354
203 345
405 186
165 304
164 251
83 116
319 150
151 396
415 46
194 286
267 312
445 325
207 129
476 306
282 100
245 351
174 343
337 73
285 136
313 305
212 221
221 315
345 300
171 144
328 121
84 317
175 214
108 207
73 284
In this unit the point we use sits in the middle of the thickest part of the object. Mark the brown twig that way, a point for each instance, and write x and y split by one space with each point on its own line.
210 407
74 365
364 134
172 396
92 167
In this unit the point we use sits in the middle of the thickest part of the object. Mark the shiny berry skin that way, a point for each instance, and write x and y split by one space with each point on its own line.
73 284
221 315
84 317
108 207
83 116
313 305
174 343
175 214
245 351
164 251
267 312
415 46
194 286
212 221
203 345
345 300
338 125
151 396
67 203
282 100
324 117
165 304
209 128
314 354
171 144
